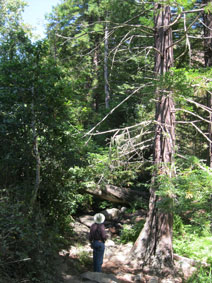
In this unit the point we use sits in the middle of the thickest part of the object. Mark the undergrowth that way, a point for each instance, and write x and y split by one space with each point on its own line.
130 233
194 241
28 246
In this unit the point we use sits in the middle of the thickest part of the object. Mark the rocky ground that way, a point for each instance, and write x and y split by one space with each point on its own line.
76 262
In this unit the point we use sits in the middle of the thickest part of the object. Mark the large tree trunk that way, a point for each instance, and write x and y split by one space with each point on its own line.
153 247
208 63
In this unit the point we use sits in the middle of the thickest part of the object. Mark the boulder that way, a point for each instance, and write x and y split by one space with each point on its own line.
80 229
109 243
110 248
86 220
99 277
111 213
72 279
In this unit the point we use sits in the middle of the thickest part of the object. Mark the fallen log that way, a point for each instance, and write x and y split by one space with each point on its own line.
118 194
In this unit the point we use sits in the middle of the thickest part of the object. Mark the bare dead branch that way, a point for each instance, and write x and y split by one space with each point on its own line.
192 11
201 132
208 169
135 91
204 107
121 129
117 47
187 122
204 24
196 115
187 40
199 37
184 36
137 149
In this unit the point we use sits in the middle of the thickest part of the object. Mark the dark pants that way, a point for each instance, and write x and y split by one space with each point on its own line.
98 254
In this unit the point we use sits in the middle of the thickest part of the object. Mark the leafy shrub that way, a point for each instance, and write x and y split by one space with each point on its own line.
130 233
28 247
194 242
85 258
203 275
104 168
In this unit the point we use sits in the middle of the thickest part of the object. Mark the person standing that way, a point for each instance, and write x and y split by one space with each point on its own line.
97 237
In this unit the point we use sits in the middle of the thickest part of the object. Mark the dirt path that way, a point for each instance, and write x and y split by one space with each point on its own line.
77 261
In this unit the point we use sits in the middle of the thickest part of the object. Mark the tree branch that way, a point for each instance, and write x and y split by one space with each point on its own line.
201 132
187 40
121 129
184 36
196 115
135 91
204 107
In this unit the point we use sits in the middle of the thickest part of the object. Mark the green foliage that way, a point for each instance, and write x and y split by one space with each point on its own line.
10 14
193 245
202 275
186 4
82 57
189 88
104 168
85 259
130 233
194 241
58 139
194 188
189 191
105 204
208 8
28 247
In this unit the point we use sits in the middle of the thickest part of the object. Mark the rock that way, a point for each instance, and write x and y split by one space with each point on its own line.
153 280
186 269
122 253
87 220
110 243
123 209
127 277
186 265
99 277
80 229
139 218
139 278
72 279
110 248
169 280
111 213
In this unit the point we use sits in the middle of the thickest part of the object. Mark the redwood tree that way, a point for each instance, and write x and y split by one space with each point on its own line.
154 244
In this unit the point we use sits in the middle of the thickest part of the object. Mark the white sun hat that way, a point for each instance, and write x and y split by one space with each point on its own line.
99 218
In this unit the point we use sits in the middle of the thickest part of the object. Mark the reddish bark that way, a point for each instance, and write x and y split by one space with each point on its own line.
154 245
